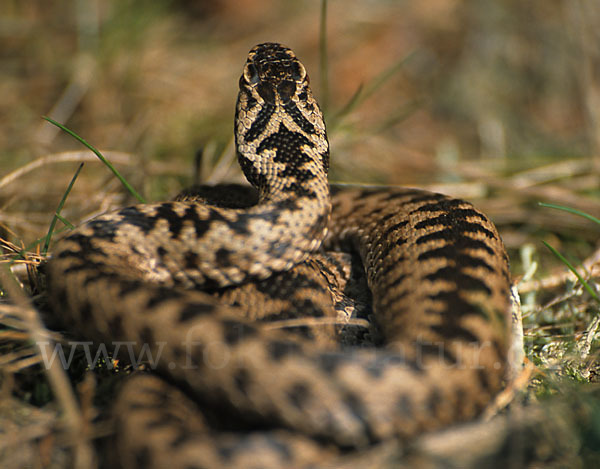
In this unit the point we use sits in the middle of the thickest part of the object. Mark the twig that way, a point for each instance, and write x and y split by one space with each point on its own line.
585 344
68 156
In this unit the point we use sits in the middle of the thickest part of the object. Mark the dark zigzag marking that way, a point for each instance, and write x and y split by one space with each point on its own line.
462 280
419 195
200 225
160 296
405 407
456 232
91 266
434 401
484 378
97 275
355 403
423 197
332 261
438 350
445 204
85 244
297 116
279 349
165 212
287 146
450 218
391 229
236 331
251 101
460 244
182 437
389 247
386 276
131 216
456 306
193 310
299 395
387 217
190 260
454 251
260 123
126 288
285 140
389 301
451 332
243 381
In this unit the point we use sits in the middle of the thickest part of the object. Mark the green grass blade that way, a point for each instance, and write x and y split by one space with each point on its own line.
403 113
324 64
571 210
347 109
65 221
572 269
365 92
384 76
131 190
58 210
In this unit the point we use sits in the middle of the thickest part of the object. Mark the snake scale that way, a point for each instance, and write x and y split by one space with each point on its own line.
200 280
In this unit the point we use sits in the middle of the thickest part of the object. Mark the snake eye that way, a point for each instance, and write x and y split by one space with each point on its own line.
251 74
298 71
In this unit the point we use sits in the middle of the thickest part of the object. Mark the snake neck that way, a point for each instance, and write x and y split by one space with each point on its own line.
281 141
283 150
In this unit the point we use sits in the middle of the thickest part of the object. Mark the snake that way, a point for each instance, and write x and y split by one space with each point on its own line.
249 300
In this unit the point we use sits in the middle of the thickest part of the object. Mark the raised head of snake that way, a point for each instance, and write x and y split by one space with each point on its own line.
438 284
281 140
283 150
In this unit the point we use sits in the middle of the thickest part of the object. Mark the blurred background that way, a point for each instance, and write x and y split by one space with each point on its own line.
496 101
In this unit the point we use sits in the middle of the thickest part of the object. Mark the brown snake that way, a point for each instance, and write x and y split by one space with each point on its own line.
187 280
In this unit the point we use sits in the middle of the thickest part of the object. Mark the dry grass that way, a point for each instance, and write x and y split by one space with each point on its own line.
494 101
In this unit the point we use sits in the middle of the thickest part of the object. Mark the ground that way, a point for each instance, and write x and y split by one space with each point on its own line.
496 102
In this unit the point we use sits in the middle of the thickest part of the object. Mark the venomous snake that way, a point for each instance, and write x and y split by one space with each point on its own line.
198 282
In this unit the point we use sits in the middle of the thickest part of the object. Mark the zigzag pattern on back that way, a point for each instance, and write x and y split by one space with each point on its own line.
205 277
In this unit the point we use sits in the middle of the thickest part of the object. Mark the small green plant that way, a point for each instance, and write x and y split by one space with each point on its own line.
560 257
57 216
128 186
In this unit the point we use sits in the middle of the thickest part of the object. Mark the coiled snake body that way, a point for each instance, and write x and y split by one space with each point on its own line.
187 280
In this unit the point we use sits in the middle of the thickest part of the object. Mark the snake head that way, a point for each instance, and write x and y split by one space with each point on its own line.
273 70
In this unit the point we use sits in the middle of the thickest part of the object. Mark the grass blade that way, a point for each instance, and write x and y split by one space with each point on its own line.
58 210
65 221
574 270
365 92
347 109
324 64
403 113
131 190
570 210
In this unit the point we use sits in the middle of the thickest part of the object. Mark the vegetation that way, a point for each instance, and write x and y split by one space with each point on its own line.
497 102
